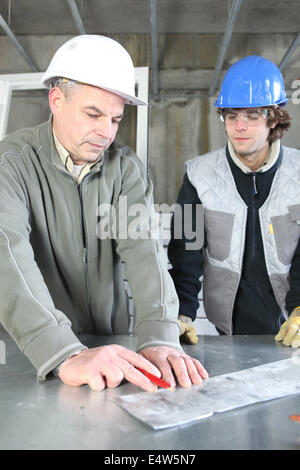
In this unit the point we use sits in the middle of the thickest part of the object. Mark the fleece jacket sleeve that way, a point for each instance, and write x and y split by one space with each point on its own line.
140 246
27 312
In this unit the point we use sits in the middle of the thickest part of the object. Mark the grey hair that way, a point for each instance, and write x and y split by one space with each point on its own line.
65 85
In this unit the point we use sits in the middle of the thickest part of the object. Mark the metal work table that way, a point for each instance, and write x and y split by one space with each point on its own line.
51 415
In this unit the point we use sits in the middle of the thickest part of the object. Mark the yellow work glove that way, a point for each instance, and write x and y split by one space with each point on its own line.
289 332
187 331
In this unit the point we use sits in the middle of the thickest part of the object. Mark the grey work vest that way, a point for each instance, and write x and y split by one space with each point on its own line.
225 215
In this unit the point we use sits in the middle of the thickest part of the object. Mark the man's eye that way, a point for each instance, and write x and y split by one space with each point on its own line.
92 115
231 117
253 116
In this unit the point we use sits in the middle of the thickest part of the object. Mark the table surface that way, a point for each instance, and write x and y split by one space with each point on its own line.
51 415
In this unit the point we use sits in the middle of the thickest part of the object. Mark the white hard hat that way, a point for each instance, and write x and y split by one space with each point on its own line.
95 60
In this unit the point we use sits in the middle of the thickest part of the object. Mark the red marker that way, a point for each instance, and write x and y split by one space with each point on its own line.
162 383
295 418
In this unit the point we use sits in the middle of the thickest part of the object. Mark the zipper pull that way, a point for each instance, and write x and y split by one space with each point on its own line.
84 255
254 182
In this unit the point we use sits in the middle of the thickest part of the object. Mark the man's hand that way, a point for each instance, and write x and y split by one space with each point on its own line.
172 362
187 331
289 332
107 366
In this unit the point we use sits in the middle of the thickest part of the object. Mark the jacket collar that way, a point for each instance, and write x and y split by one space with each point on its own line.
271 159
273 162
47 142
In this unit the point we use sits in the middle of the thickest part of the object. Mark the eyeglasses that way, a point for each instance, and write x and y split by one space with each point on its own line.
252 117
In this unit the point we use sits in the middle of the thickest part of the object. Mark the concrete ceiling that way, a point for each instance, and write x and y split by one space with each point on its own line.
273 27
53 17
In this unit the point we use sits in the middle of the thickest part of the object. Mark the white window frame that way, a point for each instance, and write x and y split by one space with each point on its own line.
33 81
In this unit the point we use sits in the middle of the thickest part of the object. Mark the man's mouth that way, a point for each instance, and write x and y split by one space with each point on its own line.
241 139
99 145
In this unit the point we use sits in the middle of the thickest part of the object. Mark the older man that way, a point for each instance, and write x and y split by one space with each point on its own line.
250 193
59 275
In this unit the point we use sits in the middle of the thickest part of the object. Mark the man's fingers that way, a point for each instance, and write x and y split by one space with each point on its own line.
96 382
190 336
167 373
196 371
296 341
187 370
280 335
133 375
194 376
290 333
112 373
103 374
179 366
137 360
201 370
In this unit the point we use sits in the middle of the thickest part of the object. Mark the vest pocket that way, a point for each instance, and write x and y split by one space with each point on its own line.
218 226
219 290
286 233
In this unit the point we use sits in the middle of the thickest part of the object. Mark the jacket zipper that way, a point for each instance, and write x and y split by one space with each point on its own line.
254 183
85 248
253 212
86 275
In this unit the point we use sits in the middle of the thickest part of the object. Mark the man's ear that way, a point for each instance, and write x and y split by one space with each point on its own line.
56 99
274 124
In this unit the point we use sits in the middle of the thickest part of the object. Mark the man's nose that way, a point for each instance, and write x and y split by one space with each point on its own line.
240 122
104 128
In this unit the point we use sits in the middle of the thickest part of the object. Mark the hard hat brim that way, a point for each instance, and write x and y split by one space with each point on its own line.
129 99
219 104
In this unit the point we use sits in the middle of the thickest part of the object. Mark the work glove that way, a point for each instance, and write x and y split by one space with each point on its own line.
187 331
289 332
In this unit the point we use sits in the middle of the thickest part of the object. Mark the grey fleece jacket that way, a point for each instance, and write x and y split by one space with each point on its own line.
57 277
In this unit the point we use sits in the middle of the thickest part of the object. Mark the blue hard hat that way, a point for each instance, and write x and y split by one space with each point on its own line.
252 82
